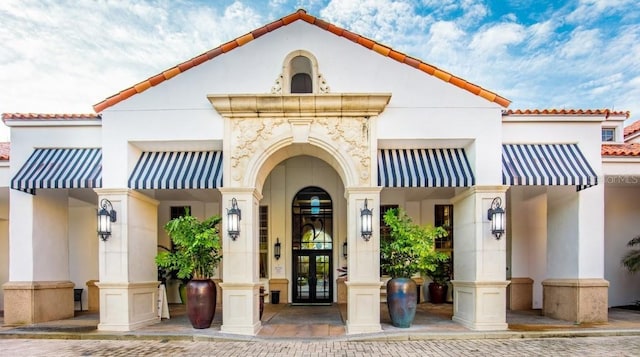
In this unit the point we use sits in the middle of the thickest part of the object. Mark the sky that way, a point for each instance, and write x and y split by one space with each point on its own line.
59 56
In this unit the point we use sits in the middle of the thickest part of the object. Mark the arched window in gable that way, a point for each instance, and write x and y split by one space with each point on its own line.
300 75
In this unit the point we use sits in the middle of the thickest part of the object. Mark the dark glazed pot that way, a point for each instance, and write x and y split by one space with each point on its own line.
402 298
438 293
201 302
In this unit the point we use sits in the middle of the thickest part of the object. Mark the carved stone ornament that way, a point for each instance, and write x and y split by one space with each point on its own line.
323 87
349 134
337 122
250 136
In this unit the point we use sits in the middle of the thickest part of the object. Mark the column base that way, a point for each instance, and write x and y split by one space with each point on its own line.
94 296
128 306
363 307
480 305
240 314
577 300
520 294
28 302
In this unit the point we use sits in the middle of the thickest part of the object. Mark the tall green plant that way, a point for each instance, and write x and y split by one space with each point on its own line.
197 248
631 260
411 248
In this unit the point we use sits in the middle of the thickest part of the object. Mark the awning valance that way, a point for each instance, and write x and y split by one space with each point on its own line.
424 168
60 168
546 165
177 170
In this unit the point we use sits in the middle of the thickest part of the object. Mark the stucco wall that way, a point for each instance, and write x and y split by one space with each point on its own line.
528 226
83 246
4 257
622 208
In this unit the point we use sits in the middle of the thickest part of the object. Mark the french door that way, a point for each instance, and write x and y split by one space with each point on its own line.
313 281
312 248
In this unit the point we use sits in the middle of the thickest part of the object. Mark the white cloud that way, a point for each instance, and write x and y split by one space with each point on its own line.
589 11
493 40
541 33
582 42
386 21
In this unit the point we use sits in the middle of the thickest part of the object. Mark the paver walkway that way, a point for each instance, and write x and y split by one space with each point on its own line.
328 322
588 346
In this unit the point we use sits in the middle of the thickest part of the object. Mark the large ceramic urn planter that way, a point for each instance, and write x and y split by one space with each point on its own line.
201 302
402 298
437 293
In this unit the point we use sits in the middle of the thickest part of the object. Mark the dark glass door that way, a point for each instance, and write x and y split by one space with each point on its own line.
313 283
312 247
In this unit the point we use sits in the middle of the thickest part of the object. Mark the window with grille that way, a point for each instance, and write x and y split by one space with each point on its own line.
608 134
264 240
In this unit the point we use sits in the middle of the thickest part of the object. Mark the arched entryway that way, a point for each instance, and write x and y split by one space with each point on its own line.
312 247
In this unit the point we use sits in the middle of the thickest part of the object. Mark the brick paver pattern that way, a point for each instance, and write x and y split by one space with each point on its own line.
585 346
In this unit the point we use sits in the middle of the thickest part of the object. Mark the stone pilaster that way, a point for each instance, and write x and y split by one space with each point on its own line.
578 300
37 301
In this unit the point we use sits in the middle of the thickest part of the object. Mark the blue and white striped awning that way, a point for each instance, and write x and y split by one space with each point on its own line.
60 168
177 170
546 165
424 168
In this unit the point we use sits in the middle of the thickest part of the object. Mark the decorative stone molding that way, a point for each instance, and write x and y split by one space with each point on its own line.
338 123
353 136
248 137
323 87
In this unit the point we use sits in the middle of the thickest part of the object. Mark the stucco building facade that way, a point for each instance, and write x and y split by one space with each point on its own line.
302 123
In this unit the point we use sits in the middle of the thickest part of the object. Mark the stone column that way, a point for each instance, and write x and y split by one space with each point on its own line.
39 287
128 276
240 283
479 285
575 289
363 263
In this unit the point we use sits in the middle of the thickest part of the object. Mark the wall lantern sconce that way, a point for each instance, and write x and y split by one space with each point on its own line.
233 219
366 222
277 249
106 215
344 250
497 217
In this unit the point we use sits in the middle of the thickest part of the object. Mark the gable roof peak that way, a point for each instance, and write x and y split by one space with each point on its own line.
301 14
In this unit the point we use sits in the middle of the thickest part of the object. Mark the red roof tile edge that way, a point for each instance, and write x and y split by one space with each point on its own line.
606 112
632 129
5 151
43 116
626 149
301 15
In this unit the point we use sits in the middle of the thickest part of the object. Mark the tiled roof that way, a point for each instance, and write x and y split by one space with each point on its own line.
626 149
301 15
5 151
40 116
605 112
632 129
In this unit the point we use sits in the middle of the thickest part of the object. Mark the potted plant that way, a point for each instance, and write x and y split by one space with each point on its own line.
440 278
410 250
197 253
166 274
631 260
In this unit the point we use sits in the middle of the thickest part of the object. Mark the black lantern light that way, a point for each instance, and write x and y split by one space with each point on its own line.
497 217
106 215
366 222
277 249
233 219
